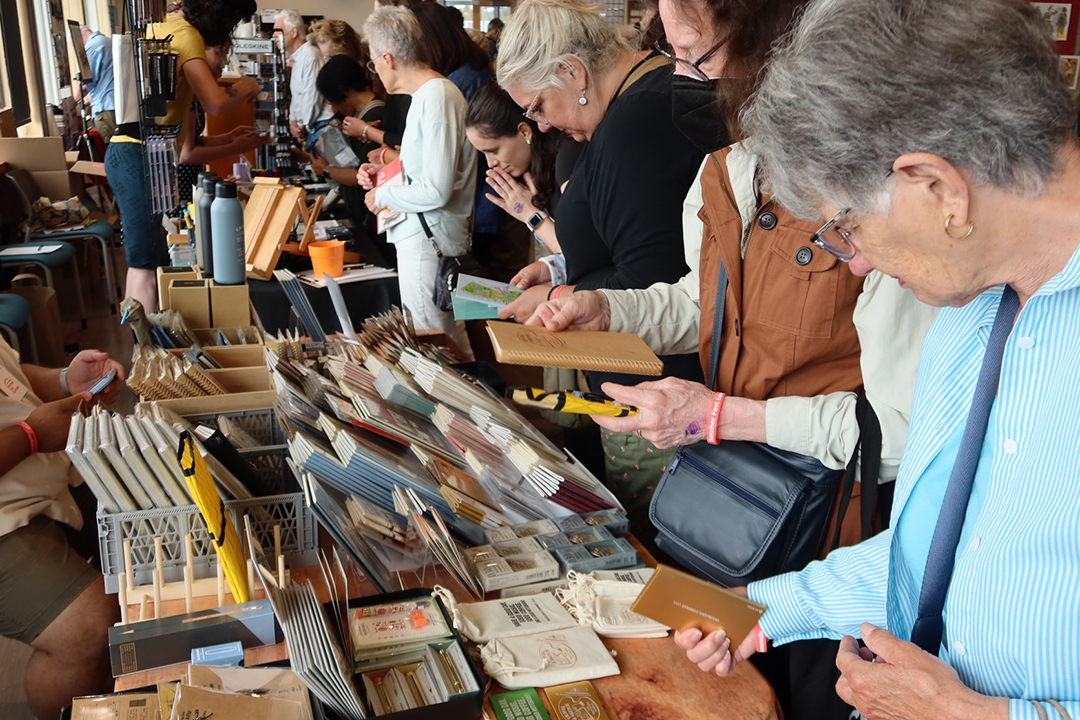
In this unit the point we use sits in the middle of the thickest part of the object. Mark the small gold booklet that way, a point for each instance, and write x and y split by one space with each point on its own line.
576 701
680 601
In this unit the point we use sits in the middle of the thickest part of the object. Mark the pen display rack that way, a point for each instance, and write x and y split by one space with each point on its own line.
287 510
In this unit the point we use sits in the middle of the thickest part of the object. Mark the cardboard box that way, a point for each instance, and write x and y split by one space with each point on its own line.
85 167
166 276
191 298
230 305
156 643
44 159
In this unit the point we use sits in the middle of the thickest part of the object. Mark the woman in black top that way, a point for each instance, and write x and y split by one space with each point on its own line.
619 219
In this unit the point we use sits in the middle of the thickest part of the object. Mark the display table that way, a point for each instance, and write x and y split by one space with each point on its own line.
656 680
363 299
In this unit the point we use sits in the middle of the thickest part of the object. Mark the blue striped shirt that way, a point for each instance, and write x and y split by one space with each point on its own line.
1012 615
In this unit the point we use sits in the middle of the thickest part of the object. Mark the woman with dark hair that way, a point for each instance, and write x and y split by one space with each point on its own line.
516 150
196 25
451 51
347 87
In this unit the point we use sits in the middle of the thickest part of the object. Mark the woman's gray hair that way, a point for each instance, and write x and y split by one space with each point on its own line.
543 34
395 30
858 83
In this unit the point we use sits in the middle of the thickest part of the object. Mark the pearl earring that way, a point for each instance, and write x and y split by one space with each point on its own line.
583 100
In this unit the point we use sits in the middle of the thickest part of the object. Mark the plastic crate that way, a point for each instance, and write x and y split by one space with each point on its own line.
289 510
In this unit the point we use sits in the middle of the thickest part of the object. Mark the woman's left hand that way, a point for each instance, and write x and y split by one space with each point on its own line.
523 308
319 164
671 412
512 196
87 368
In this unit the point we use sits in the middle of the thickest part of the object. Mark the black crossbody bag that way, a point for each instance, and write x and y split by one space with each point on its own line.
743 511
446 275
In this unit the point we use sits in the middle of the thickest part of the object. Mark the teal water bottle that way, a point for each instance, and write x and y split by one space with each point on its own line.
227 231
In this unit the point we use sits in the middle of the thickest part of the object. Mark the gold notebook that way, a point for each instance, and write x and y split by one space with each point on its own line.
680 601
608 352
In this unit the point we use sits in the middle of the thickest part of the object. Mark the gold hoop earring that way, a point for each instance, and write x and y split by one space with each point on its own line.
948 228
528 139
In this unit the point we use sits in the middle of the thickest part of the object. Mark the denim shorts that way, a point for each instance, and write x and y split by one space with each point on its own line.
144 242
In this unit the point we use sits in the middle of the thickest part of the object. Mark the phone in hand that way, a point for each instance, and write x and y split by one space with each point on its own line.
103 382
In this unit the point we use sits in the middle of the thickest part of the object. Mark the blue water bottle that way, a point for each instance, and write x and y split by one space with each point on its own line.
227 231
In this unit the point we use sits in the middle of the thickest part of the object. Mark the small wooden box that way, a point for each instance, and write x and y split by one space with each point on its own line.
230 305
166 276
191 298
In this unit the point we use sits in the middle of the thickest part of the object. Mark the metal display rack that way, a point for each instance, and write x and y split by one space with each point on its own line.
275 155
161 156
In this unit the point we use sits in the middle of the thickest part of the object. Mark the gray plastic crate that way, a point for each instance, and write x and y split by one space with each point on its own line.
289 510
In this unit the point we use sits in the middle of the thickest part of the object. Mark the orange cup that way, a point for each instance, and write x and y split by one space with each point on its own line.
327 257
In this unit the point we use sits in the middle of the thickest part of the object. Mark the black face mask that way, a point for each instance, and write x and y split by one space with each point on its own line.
695 110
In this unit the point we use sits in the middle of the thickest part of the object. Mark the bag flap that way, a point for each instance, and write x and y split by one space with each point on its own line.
725 504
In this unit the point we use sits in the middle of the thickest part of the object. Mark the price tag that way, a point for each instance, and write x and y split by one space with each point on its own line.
10 386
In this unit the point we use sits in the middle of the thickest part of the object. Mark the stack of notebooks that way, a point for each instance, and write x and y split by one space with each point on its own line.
397 387
299 299
130 463
315 649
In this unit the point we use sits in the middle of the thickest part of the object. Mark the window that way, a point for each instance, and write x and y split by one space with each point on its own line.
13 60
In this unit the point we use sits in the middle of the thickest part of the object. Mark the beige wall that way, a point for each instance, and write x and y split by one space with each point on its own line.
353 12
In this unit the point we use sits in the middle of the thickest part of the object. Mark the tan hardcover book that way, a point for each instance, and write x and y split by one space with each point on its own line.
681 601
609 352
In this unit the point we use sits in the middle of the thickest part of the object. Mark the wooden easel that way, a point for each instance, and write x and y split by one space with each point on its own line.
270 215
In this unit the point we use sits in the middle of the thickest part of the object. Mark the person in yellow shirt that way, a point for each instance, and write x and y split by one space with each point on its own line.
194 26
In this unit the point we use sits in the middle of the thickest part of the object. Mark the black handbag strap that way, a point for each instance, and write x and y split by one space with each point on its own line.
428 233
869 442
870 446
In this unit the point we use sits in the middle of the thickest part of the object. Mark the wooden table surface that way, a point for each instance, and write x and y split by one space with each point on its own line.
656 680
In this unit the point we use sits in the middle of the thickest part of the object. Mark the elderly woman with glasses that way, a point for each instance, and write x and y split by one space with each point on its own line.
618 219
438 164
935 141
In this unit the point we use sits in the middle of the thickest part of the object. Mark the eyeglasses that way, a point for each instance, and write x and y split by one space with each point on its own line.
532 114
371 67
693 69
834 239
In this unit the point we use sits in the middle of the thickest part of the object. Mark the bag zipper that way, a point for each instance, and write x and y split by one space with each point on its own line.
732 487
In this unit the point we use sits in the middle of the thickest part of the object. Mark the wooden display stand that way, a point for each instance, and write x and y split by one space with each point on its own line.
271 212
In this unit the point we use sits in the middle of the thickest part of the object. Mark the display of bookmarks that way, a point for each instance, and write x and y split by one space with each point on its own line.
226 541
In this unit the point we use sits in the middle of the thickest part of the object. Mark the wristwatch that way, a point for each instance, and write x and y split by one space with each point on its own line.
537 220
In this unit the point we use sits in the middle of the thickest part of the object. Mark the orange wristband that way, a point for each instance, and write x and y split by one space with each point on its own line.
32 435
556 291
761 643
382 155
